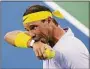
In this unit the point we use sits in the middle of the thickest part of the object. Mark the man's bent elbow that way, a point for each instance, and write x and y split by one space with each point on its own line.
10 36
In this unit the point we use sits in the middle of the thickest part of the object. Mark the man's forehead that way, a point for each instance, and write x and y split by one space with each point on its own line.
33 23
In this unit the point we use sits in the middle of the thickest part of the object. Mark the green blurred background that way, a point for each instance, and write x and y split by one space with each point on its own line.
80 10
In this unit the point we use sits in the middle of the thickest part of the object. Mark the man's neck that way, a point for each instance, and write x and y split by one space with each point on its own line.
58 33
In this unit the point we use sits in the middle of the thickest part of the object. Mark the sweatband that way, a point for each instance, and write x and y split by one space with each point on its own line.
21 40
40 16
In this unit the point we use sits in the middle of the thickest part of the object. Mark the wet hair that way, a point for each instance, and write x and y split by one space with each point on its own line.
37 8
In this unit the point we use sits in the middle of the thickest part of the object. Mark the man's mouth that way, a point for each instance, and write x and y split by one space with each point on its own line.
38 38
43 40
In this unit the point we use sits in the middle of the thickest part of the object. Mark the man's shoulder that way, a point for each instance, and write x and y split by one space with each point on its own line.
69 42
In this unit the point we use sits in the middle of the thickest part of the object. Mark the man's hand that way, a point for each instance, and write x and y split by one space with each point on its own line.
39 49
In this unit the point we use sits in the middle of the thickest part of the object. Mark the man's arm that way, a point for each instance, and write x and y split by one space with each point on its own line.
42 51
18 38
10 36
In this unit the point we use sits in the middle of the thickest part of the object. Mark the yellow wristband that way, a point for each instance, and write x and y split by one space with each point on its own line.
21 40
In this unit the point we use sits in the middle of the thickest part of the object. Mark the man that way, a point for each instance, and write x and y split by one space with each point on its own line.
70 52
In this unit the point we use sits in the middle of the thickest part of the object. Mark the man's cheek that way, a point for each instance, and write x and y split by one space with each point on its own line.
44 32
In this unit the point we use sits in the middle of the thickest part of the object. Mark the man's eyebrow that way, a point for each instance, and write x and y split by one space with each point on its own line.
32 26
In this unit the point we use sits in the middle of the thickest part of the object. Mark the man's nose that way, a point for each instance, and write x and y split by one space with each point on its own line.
34 35
31 33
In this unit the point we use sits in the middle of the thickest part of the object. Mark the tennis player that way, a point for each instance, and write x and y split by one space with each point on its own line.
70 52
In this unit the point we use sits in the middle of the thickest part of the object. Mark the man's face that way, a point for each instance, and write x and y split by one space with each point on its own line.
39 30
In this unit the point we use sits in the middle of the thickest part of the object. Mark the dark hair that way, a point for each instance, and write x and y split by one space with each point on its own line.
37 8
